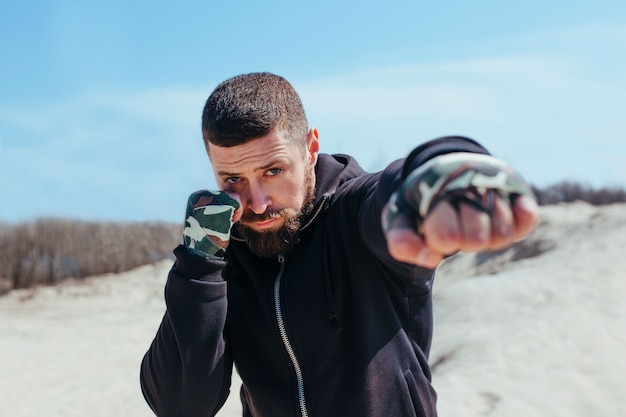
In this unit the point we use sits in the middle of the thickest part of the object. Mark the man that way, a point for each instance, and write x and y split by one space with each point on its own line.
320 295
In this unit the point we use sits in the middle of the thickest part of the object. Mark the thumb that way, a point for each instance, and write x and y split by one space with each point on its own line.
406 245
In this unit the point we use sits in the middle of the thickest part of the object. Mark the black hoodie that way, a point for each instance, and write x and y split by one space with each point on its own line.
336 328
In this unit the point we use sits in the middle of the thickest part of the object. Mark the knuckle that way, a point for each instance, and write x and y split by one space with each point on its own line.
477 238
444 239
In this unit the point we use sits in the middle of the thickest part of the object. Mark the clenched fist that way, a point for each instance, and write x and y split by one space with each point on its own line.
208 220
457 202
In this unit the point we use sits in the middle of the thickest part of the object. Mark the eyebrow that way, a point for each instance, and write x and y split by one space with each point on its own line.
261 168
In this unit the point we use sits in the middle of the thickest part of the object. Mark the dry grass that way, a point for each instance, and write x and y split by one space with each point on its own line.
48 251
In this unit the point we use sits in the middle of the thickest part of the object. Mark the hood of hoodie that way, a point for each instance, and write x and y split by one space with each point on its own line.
333 170
330 172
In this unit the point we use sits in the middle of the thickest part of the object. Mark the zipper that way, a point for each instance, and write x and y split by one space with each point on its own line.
285 338
320 206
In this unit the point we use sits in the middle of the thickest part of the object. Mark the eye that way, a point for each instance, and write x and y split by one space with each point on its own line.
232 180
273 171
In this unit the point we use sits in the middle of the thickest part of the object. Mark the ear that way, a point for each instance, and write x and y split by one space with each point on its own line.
313 145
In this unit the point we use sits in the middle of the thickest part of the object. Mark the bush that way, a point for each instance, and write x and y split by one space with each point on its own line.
49 250
568 192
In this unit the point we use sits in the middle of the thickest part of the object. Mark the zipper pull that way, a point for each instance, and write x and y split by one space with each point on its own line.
281 258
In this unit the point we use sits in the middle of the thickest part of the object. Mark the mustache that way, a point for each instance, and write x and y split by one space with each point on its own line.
251 217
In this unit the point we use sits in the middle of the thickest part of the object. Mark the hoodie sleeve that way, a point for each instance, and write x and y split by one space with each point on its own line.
440 146
388 181
187 369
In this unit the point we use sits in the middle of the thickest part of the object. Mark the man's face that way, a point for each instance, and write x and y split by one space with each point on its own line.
276 183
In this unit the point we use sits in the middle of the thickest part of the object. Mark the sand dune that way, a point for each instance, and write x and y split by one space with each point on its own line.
538 330
544 336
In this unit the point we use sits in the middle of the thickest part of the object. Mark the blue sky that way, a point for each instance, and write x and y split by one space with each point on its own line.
100 102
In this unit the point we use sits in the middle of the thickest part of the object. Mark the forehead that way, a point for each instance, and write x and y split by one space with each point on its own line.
254 155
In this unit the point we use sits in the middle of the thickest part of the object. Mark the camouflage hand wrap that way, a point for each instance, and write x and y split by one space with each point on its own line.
457 178
208 220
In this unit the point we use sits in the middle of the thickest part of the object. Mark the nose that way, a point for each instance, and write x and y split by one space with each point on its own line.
257 199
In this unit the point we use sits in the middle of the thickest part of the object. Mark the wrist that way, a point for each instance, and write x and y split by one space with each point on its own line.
195 266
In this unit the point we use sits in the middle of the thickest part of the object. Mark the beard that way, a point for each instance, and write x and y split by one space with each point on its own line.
271 243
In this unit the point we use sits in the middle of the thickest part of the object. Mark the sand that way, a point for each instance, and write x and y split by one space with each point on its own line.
538 336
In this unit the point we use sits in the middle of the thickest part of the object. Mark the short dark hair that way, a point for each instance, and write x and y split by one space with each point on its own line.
250 106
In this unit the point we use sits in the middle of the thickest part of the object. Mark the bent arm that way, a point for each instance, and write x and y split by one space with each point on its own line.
187 369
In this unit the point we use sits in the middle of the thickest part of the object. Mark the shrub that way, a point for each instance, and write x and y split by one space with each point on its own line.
47 251
568 192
